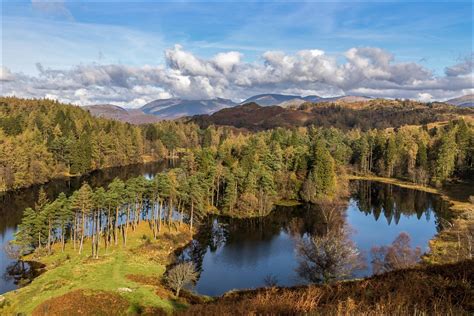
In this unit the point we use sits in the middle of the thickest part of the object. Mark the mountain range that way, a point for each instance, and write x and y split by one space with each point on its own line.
169 109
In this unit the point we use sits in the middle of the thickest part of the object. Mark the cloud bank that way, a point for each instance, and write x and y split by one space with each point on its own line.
361 71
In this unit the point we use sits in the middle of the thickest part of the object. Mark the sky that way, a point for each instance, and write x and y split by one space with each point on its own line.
130 53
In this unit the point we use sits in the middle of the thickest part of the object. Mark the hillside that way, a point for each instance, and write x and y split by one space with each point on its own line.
377 113
464 101
296 100
175 108
114 112
280 99
44 139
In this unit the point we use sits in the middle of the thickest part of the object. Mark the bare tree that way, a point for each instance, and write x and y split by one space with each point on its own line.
270 280
181 275
329 257
398 255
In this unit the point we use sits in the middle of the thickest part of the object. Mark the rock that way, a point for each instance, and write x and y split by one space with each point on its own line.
2 300
124 289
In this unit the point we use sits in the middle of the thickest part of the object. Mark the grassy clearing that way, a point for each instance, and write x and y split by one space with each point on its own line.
456 241
110 274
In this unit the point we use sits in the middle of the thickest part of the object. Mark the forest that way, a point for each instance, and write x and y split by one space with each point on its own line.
43 139
229 172
132 225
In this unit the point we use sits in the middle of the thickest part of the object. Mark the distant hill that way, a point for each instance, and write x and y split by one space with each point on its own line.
296 109
280 99
175 108
114 112
363 114
464 101
296 100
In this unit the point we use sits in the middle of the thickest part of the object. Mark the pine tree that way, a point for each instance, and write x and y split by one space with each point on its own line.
82 202
64 217
445 158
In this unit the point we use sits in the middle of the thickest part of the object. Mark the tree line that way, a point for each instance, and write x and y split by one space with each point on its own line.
106 215
44 139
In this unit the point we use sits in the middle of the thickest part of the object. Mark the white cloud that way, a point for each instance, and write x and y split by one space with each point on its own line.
425 97
55 8
6 74
365 71
463 68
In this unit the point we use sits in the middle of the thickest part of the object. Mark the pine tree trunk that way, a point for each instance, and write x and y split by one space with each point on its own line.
127 223
116 230
99 219
82 232
75 231
159 216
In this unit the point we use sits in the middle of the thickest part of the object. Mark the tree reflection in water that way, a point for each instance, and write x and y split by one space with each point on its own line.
240 253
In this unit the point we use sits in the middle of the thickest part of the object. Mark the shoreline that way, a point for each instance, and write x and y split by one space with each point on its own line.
66 177
447 246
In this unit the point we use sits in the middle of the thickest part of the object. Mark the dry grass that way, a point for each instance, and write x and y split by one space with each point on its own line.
434 290
82 302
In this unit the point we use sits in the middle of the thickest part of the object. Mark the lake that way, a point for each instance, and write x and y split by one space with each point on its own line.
235 253
13 203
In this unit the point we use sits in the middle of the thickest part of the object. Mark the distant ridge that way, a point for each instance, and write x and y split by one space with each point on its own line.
285 101
175 108
464 101
280 99
115 112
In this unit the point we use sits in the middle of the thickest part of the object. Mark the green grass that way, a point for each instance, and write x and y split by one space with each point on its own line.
70 271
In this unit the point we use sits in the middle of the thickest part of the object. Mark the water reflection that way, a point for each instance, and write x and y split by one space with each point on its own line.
234 253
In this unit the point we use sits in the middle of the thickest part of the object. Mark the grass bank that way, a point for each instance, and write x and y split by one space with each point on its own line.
128 279
426 290
456 241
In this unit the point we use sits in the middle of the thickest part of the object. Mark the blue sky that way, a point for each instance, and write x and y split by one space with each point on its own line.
63 35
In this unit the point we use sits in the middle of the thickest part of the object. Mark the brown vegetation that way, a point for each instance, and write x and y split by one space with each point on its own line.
434 290
81 302
365 115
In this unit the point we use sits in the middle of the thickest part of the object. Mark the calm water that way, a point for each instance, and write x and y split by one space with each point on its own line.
12 204
241 253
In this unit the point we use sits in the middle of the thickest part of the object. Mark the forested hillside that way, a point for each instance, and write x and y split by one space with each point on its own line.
43 139
244 175
378 113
